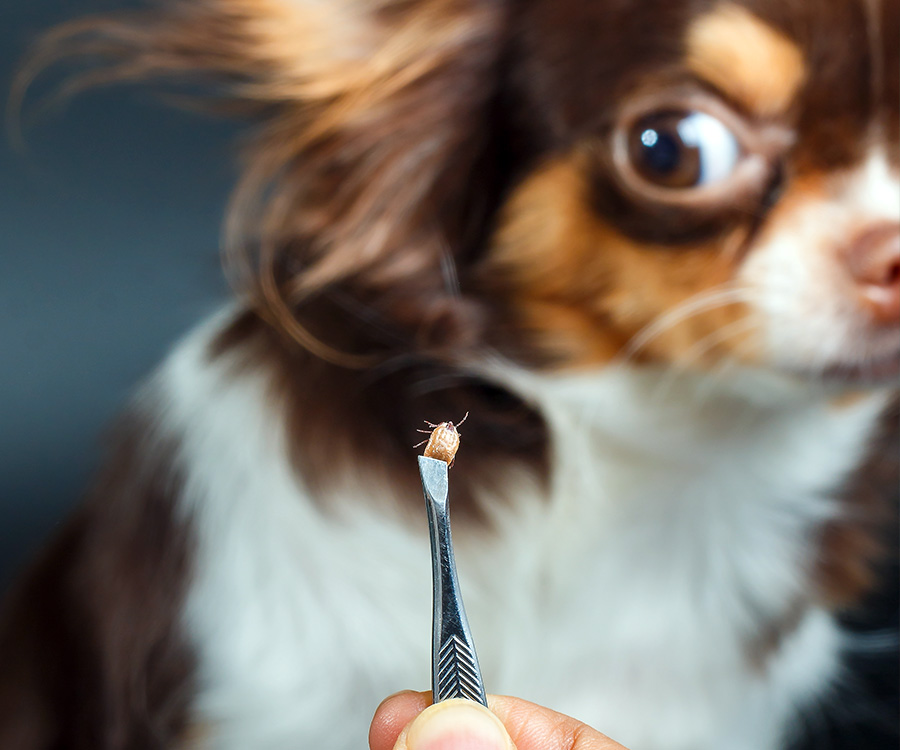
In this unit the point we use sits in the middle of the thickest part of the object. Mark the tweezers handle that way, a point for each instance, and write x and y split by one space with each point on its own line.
454 668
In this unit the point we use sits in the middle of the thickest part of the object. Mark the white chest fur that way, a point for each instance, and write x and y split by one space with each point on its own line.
680 521
626 597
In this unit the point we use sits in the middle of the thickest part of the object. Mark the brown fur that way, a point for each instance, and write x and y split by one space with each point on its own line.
371 117
93 654
582 290
774 633
853 547
362 423
744 57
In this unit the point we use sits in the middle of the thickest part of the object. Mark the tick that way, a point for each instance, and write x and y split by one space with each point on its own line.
443 441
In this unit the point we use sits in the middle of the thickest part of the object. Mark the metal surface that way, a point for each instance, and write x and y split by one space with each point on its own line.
454 665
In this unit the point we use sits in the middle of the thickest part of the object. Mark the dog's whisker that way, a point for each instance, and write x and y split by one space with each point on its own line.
701 348
436 383
693 306
448 268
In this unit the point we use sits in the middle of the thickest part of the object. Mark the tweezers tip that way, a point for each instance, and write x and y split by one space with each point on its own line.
433 473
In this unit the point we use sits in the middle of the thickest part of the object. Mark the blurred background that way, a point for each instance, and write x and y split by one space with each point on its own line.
109 231
109 227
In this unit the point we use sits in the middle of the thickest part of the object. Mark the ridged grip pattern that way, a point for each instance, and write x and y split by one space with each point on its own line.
458 671
454 670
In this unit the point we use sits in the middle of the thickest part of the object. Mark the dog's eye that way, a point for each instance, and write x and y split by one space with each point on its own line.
682 149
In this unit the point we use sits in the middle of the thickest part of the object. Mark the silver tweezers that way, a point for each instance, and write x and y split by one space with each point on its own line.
454 664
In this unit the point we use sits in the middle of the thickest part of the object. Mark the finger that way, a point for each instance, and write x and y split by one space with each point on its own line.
395 713
534 727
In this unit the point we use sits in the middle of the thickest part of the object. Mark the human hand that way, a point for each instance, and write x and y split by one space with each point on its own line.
406 721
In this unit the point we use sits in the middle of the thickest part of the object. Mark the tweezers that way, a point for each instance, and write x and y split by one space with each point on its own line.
454 664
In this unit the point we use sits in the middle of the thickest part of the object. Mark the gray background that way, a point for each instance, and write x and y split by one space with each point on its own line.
109 232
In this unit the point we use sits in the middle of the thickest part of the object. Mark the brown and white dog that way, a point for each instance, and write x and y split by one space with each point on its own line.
653 248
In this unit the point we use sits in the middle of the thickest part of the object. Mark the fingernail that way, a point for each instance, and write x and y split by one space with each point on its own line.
457 725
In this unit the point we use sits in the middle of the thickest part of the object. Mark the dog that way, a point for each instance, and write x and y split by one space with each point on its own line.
652 249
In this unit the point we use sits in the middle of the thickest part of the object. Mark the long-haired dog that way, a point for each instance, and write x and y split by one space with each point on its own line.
653 249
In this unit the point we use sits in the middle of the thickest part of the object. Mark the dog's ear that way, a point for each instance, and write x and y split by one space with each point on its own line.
372 116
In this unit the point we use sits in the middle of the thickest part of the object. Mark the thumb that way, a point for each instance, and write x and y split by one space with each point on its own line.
455 725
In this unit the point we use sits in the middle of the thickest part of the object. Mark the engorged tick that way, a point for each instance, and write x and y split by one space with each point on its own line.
443 441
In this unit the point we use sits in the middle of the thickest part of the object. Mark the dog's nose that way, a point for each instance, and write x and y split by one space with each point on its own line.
874 263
